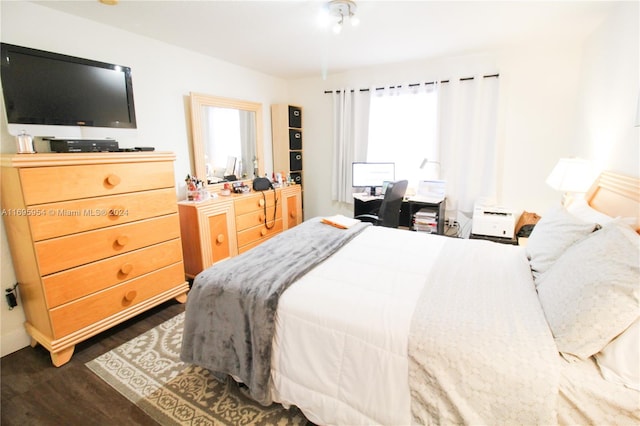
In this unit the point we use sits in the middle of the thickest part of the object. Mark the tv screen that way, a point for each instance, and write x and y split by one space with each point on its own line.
372 174
49 88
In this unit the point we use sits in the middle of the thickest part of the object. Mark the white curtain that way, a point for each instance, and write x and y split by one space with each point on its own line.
468 111
466 115
247 145
350 120
402 129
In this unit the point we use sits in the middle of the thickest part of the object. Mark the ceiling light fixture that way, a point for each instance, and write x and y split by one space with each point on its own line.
341 10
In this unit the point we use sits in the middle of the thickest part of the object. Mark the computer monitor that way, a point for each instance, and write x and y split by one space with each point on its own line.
372 175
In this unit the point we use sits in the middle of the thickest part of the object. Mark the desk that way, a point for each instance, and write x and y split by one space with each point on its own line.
367 204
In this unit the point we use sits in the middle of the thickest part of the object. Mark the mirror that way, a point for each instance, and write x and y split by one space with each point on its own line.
227 138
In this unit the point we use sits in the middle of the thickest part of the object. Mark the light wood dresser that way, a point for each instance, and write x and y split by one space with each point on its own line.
95 240
219 228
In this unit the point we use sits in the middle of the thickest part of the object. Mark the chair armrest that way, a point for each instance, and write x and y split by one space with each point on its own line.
367 218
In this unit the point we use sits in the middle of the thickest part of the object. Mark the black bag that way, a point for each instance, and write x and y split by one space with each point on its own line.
261 184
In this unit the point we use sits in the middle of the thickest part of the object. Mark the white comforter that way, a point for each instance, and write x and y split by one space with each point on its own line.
480 349
340 351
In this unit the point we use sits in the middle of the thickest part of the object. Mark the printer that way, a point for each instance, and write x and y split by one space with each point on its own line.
493 221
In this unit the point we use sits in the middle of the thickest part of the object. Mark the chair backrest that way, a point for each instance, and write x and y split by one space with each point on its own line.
389 212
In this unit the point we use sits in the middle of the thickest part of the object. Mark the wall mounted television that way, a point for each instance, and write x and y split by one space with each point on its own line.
47 88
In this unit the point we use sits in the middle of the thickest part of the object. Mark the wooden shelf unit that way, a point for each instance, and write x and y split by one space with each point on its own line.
286 132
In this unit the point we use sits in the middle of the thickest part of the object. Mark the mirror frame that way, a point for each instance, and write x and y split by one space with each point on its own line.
200 100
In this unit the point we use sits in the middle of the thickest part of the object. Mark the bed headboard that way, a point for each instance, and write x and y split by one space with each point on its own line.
616 195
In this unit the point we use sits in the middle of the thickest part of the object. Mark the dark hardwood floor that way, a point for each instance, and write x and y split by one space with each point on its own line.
34 392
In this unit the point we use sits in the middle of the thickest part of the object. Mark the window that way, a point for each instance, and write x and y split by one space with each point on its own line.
403 129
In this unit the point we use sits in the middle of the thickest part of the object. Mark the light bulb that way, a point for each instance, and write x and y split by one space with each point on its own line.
337 27
355 21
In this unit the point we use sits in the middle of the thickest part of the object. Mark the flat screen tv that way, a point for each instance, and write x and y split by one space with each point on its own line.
47 88
372 175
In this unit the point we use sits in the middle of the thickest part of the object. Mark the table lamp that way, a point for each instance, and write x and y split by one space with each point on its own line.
570 175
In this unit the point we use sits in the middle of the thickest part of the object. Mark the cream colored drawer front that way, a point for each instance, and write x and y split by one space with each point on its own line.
258 233
74 283
51 184
253 202
88 310
71 217
62 253
256 218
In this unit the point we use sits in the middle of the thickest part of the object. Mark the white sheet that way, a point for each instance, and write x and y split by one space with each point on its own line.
340 348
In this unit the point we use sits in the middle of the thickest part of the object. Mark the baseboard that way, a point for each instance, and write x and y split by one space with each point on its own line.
13 341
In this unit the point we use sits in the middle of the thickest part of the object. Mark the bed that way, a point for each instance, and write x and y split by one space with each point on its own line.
372 325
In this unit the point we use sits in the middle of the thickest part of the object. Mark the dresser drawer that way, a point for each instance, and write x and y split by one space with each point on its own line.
70 217
255 243
258 233
88 310
74 283
256 218
62 253
253 202
61 183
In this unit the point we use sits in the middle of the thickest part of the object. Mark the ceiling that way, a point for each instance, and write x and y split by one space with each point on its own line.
283 39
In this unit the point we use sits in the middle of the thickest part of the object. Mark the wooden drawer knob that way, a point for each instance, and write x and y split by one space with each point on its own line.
113 180
220 238
292 214
260 218
122 240
261 203
126 268
131 294
263 232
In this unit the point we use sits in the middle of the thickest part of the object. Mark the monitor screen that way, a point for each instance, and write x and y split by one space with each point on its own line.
372 174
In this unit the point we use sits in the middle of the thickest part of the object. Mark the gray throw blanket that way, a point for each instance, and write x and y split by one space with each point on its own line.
229 322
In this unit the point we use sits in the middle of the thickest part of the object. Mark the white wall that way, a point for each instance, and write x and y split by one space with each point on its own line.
610 88
163 76
555 101
538 101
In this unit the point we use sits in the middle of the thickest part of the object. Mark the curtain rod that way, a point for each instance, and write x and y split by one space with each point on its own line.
416 84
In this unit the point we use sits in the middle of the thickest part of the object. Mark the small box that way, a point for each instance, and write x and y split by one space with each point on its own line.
295 139
295 117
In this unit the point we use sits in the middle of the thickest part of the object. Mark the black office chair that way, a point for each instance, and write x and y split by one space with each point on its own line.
389 211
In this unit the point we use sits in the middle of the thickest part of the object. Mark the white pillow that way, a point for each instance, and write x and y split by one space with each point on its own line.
582 210
592 293
619 361
554 233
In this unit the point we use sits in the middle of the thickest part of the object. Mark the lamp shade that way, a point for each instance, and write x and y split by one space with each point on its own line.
571 175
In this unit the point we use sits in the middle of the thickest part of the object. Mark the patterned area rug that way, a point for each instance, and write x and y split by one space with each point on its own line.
147 370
